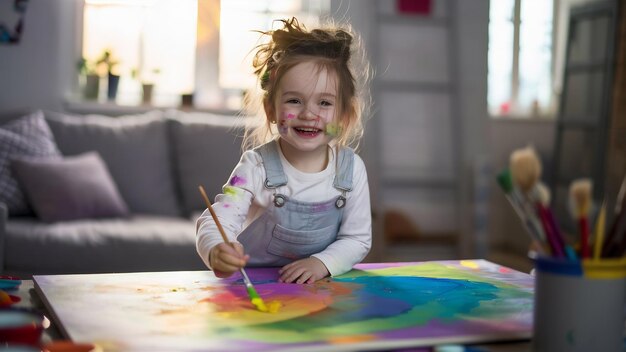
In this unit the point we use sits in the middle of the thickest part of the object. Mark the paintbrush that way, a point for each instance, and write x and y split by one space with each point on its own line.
506 183
547 219
610 246
580 200
599 238
526 172
543 196
254 296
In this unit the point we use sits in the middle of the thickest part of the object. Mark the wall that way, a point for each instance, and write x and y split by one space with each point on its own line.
472 40
37 72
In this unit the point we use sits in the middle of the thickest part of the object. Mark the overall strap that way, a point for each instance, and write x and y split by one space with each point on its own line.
275 176
345 165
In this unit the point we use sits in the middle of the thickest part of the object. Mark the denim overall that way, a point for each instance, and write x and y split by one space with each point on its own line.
290 229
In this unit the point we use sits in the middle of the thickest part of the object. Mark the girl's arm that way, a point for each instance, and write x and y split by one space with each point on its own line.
231 207
354 239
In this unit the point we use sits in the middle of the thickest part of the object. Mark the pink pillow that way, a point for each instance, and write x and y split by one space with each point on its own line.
70 188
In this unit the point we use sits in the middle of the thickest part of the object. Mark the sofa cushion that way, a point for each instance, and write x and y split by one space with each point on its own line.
71 188
138 243
134 147
28 136
206 149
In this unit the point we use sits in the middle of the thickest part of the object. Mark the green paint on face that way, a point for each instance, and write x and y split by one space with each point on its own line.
332 129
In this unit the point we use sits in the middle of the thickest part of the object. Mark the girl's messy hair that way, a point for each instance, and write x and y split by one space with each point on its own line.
332 48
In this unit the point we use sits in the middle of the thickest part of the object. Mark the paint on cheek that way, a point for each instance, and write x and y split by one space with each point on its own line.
283 127
332 129
289 116
237 181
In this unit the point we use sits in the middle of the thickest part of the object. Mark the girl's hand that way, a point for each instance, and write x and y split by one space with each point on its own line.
226 258
303 271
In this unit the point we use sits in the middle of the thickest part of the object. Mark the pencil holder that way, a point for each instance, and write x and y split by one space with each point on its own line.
579 306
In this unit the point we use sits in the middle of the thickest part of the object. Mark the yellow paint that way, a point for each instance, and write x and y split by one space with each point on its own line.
274 307
469 264
259 304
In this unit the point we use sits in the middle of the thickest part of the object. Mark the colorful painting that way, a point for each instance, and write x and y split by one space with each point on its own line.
374 306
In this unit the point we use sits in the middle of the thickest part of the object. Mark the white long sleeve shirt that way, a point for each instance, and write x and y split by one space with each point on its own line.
244 199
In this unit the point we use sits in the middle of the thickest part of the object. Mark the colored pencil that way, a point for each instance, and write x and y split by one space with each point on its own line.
254 296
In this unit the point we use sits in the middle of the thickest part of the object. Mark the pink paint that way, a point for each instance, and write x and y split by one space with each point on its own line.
504 270
226 301
291 116
237 181
282 127
320 208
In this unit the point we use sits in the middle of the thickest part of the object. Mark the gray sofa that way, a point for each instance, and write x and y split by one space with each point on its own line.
156 160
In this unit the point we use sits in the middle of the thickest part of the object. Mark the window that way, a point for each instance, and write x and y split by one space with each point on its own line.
191 46
520 58
150 40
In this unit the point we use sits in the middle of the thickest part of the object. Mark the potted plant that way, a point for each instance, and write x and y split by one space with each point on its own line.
147 83
113 79
91 86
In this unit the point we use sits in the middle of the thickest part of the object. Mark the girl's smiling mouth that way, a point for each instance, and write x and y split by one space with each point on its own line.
307 132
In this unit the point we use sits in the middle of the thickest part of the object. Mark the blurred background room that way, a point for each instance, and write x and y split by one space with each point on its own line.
457 85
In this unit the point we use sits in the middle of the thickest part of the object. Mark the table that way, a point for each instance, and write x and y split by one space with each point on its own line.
178 302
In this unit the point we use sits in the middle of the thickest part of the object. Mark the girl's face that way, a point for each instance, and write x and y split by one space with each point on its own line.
306 107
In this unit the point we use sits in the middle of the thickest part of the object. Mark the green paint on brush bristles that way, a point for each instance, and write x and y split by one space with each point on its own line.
256 300
505 180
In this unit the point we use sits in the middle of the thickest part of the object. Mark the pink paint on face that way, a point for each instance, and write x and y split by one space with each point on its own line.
283 127
309 94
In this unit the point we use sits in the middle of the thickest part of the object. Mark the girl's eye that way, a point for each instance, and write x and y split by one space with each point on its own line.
293 101
326 103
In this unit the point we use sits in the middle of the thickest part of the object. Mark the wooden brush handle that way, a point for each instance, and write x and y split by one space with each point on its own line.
583 225
217 222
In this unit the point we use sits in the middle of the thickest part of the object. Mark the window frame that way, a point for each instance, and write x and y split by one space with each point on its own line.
550 112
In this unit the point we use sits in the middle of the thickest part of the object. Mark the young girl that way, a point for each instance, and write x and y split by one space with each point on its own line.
299 199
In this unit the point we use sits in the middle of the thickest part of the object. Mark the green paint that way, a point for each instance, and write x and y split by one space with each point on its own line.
431 270
233 192
256 299
332 129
